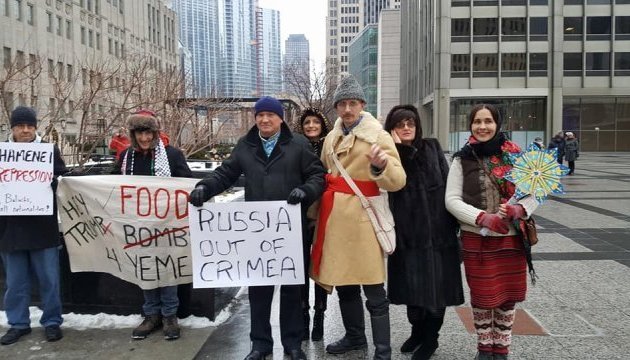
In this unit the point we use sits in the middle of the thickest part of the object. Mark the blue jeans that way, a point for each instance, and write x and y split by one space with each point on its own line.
162 300
19 266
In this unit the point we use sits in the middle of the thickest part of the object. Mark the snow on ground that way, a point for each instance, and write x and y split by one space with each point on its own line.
107 321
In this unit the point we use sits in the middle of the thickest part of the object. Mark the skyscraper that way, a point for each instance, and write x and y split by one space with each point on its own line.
271 66
296 61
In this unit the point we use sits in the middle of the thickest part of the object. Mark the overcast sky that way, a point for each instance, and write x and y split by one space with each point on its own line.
306 17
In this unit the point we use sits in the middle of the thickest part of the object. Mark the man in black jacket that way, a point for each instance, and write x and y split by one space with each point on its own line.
29 245
278 165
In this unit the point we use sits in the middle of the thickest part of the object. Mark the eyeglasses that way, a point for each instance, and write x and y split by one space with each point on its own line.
408 123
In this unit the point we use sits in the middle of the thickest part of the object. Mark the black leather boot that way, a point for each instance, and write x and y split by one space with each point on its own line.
354 323
430 334
318 326
415 315
307 323
381 337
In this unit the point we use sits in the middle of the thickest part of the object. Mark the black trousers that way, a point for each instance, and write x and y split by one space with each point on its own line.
571 167
291 323
321 296
376 303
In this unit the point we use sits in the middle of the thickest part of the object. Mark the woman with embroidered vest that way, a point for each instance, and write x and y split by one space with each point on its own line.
346 253
314 126
424 271
151 155
495 259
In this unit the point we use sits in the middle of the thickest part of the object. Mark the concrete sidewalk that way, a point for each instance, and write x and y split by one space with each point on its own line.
579 308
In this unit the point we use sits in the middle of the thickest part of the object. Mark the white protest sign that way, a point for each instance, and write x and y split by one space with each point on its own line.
133 227
246 244
26 172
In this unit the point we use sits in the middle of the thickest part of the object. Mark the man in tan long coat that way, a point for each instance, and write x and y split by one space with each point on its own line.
346 253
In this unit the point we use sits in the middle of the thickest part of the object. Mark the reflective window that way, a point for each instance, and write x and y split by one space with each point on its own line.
460 3
598 27
538 64
622 64
622 27
573 28
485 2
538 2
485 29
460 65
513 29
573 2
538 28
513 2
485 65
598 64
460 30
572 64
598 2
513 64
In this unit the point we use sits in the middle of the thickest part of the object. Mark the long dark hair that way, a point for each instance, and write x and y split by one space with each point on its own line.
403 112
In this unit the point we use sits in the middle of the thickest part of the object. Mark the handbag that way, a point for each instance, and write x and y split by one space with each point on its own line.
378 211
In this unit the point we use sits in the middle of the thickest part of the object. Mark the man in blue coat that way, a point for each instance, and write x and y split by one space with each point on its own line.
278 165
29 245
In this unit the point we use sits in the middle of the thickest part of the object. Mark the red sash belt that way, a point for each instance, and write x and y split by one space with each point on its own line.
334 184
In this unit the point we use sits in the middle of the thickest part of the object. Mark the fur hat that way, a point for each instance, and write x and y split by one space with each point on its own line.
143 120
317 113
23 115
268 103
347 89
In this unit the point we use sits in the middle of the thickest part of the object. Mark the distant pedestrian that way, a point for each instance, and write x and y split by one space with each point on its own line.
558 142
119 142
278 165
149 155
424 271
314 125
538 144
29 247
495 258
571 149
346 254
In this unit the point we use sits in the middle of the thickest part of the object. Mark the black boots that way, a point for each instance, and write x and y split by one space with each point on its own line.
415 316
381 337
430 328
307 322
354 323
318 325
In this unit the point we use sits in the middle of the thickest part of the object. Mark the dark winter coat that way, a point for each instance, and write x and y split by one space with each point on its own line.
33 232
557 143
571 149
425 268
142 163
292 164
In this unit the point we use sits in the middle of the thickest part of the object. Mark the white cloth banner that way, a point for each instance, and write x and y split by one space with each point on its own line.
246 244
133 227
26 172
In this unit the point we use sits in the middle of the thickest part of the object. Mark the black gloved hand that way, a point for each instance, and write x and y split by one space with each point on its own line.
296 196
199 195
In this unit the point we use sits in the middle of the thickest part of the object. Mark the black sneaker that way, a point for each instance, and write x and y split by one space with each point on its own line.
13 335
53 333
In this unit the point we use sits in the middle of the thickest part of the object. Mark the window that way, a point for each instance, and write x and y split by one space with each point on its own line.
91 38
460 30
59 71
83 35
573 28
7 57
513 64
51 104
19 59
598 64
538 28
485 65
460 65
485 29
485 2
598 28
30 14
68 29
110 45
84 77
538 2
622 64
537 64
622 27
572 64
98 41
598 2
51 68
514 2
49 27
513 29
59 26
18 10
69 72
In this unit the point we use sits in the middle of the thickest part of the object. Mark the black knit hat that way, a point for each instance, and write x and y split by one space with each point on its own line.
23 115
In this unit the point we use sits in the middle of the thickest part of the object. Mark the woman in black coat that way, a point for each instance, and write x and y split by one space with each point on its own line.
314 126
424 271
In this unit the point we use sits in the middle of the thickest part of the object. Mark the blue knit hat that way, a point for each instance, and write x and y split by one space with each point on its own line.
23 115
268 103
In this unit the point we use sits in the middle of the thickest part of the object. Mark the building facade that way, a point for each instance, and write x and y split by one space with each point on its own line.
297 60
363 54
54 51
237 47
548 65
271 65
388 72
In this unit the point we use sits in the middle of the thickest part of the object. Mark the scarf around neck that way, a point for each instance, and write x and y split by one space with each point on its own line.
159 161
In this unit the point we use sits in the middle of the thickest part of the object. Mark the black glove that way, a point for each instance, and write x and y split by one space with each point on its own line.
296 196
199 195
